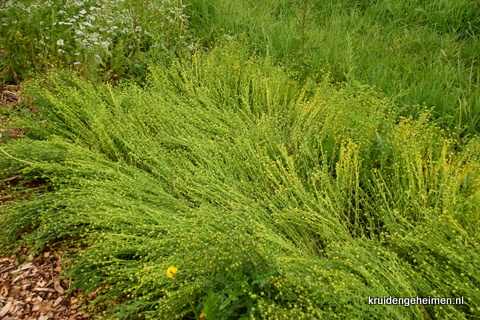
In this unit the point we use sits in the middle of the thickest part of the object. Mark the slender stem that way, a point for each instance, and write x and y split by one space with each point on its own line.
459 122
10 156
194 310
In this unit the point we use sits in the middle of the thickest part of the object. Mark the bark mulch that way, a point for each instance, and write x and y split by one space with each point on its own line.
9 97
33 289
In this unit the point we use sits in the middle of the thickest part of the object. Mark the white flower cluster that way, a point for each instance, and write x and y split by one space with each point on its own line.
92 27
95 24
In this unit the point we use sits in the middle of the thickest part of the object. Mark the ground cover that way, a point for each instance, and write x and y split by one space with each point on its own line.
226 182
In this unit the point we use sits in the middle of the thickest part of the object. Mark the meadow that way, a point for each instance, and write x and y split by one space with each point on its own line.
249 160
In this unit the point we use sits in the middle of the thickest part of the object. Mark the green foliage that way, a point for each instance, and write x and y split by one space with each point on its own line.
415 52
101 39
275 198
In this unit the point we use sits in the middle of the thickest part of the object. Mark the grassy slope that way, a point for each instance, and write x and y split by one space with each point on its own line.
273 199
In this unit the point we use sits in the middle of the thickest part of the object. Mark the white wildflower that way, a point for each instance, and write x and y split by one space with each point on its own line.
60 43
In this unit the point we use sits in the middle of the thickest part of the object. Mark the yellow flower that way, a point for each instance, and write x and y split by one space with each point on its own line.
202 316
171 272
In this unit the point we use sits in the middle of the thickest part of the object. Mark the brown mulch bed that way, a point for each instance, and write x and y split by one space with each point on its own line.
9 97
33 289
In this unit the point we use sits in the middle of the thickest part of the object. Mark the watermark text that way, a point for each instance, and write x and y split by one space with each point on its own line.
415 300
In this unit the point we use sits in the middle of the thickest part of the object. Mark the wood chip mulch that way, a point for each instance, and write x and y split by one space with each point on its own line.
33 289
9 97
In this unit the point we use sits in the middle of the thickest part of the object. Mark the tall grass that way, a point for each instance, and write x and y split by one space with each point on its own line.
275 198
415 52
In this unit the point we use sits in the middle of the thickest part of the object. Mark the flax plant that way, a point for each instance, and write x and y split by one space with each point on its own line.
271 197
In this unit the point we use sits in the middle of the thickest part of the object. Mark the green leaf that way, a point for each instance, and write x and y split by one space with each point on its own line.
212 303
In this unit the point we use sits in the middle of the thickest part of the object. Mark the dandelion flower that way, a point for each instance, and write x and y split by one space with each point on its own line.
202 316
171 272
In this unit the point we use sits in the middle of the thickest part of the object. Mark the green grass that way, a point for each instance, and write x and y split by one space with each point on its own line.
274 199
414 52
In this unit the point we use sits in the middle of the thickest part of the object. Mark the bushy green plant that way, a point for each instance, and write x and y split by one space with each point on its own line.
101 39
226 189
